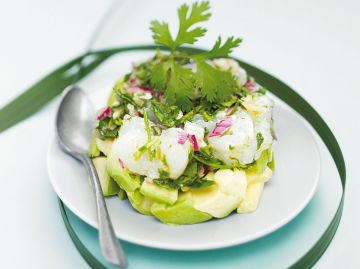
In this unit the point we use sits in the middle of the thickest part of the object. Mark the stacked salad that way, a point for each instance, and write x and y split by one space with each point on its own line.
186 137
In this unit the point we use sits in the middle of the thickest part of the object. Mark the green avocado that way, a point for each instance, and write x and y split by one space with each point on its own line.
121 175
220 199
108 185
104 145
140 202
158 193
271 164
261 163
112 100
93 149
182 212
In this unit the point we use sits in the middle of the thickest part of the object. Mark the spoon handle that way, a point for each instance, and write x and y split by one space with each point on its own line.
110 247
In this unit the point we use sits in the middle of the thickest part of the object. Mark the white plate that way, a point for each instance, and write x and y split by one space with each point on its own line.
284 196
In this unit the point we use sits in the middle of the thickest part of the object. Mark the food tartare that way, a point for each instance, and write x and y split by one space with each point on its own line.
186 137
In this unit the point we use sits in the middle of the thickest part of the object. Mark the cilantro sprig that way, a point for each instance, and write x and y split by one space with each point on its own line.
180 84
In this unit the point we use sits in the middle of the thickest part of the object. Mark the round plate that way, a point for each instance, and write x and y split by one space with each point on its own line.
285 196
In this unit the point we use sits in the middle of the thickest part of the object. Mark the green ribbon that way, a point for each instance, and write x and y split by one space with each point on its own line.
50 86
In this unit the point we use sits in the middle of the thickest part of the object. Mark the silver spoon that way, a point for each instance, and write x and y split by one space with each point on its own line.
74 124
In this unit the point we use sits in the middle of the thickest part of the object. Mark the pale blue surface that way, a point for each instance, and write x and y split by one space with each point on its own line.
277 250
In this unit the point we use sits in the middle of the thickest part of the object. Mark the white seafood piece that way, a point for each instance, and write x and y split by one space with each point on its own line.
176 155
194 129
199 121
238 143
132 136
260 107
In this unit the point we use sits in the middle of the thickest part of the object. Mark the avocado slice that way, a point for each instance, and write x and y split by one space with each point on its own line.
140 202
262 177
271 164
121 175
252 197
221 199
122 194
158 193
93 149
182 212
104 145
108 185
112 99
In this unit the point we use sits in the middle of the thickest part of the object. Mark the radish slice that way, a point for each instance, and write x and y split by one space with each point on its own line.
122 164
133 81
204 170
194 142
221 127
105 113
251 86
134 89
183 136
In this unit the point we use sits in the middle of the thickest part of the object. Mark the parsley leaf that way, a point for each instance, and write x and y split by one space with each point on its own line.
176 82
199 13
222 51
181 85
214 84
161 33
185 35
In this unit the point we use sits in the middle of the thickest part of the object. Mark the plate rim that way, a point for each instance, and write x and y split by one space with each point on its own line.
201 246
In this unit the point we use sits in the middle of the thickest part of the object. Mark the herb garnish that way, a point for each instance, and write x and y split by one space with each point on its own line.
189 178
179 83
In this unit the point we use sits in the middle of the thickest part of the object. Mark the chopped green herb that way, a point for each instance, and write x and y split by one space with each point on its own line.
261 91
259 139
189 178
107 128
166 115
147 126
156 130
202 183
205 158
237 163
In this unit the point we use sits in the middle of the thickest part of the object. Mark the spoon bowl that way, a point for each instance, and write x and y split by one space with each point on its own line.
74 121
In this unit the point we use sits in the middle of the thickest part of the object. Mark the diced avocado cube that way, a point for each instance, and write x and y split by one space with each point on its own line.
140 202
271 164
182 212
112 100
104 145
108 185
121 175
225 196
93 149
158 193
263 177
122 194
252 197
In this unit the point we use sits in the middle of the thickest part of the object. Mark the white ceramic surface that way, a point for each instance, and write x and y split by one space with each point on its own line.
284 196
